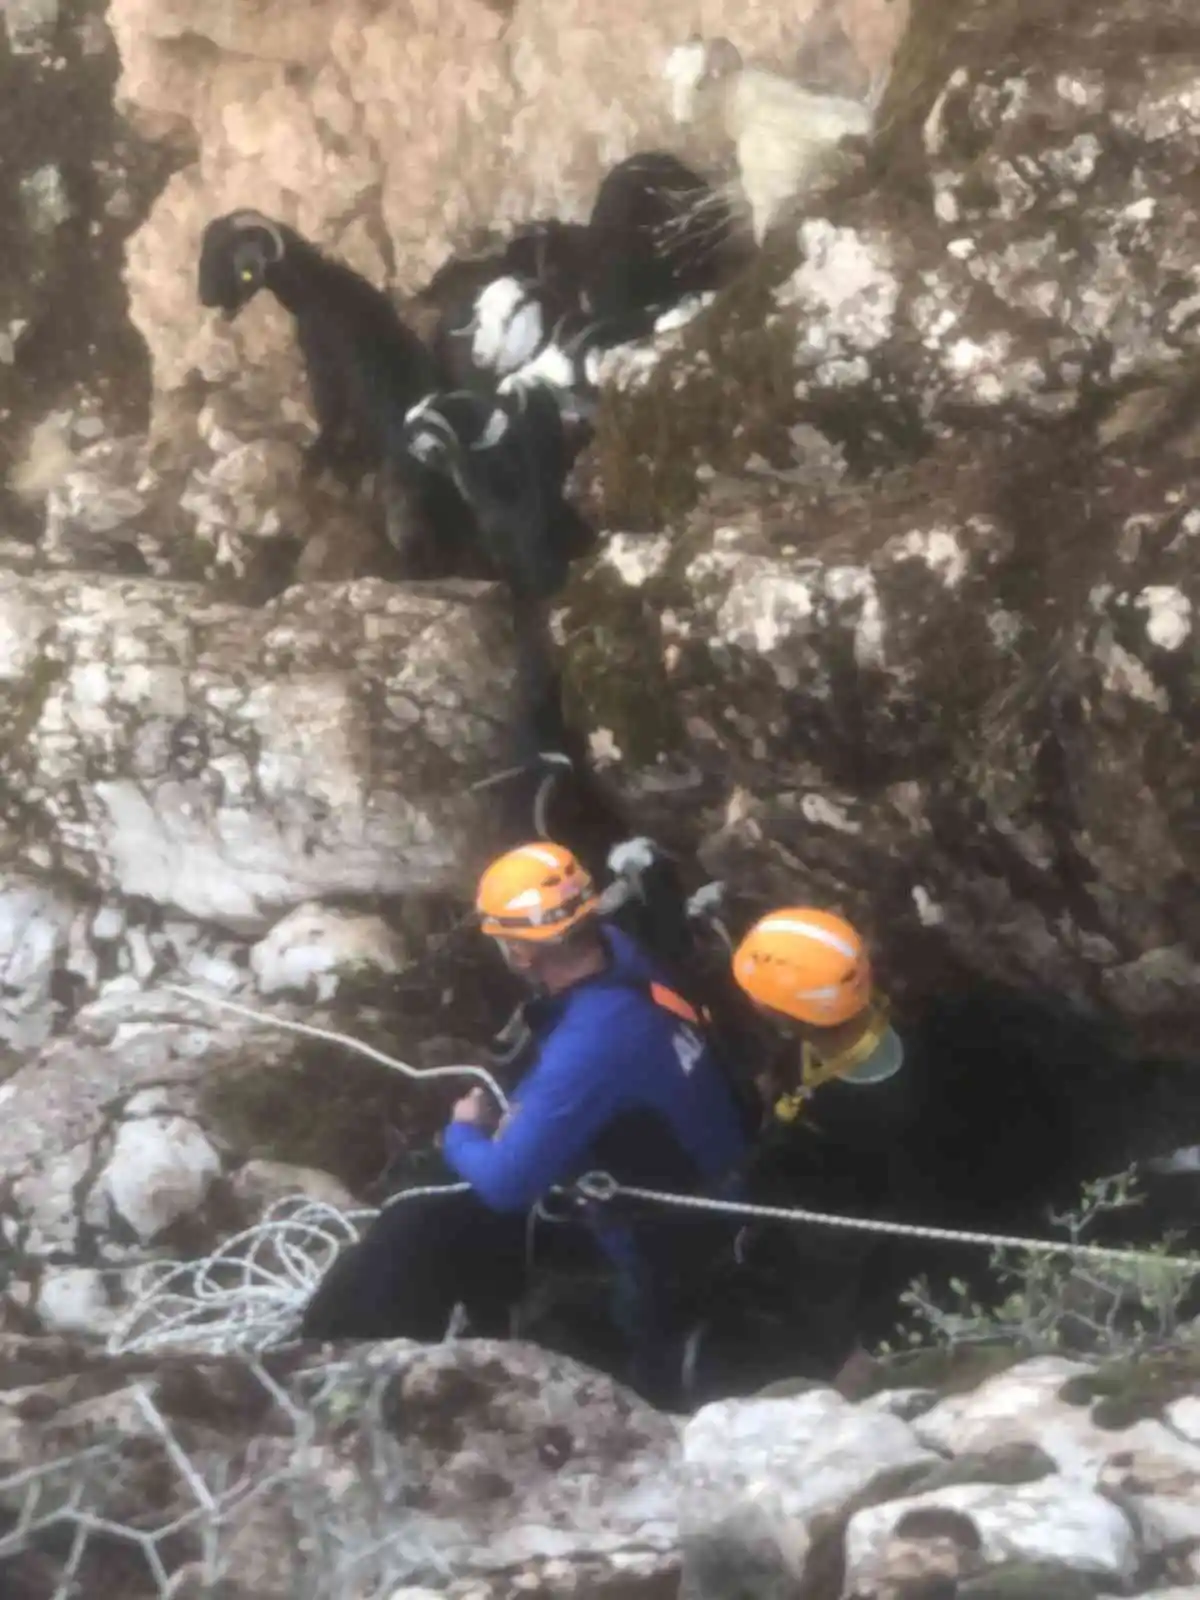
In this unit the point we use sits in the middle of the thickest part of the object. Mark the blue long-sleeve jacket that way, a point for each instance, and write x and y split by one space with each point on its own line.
618 1081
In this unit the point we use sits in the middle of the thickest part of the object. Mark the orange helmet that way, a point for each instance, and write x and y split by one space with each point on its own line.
807 964
536 892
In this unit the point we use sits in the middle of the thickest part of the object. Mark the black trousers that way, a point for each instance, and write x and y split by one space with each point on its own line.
418 1259
421 1256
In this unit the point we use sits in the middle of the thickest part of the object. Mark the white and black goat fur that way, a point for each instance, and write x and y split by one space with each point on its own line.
508 457
658 233
367 371
558 293
495 311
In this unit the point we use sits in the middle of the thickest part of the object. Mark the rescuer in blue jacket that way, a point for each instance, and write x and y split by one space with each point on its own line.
620 1077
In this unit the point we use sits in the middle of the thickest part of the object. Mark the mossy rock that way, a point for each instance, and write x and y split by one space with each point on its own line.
949 1371
613 672
316 1109
726 395
1127 1391
788 1388
825 1570
1007 1464
1029 1580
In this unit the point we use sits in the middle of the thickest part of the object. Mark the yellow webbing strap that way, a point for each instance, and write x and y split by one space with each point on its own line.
814 1071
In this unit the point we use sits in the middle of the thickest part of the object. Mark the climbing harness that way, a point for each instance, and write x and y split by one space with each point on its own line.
815 1070
601 1188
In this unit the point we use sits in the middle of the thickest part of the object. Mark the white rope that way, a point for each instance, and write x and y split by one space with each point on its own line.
248 1294
602 1187
265 1018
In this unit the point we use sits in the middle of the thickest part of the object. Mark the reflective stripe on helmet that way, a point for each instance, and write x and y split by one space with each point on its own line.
809 931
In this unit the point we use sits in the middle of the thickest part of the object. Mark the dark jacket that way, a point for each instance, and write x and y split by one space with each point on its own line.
618 1081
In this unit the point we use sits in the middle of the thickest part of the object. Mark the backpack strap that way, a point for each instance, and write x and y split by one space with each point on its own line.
671 1000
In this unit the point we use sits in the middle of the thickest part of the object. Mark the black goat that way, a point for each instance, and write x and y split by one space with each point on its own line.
367 370
658 232
507 456
365 367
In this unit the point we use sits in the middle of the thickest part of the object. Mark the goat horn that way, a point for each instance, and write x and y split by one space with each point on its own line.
255 219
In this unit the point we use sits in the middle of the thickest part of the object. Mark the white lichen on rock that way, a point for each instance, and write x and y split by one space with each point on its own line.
1168 615
636 557
845 296
233 763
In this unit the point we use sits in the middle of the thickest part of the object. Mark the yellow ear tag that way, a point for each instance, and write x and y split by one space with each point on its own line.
247 274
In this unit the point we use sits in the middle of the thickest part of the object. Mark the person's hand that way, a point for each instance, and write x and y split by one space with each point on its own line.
477 1109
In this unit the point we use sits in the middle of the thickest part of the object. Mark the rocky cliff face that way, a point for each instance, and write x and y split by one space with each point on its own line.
75 181
394 133
925 642
895 610
895 606
953 695
478 1471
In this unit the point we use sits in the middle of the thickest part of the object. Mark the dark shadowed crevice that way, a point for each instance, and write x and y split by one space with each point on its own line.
75 182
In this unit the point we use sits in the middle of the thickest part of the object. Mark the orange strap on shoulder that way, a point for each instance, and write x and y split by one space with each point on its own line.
674 1003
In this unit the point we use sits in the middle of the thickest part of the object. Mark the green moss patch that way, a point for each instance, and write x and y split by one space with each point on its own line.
613 671
724 396
1029 1580
1127 1391
949 1371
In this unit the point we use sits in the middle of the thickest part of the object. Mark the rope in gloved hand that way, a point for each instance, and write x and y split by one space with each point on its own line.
601 1187
310 1031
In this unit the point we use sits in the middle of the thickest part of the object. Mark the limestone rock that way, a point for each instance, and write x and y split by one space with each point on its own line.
232 764
1050 1521
77 1300
1003 589
30 24
417 127
44 1193
758 1473
926 1567
317 946
477 1463
258 1184
34 923
160 1169
1024 1404
74 182
791 640
1165 1492
154 1126
1184 1416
